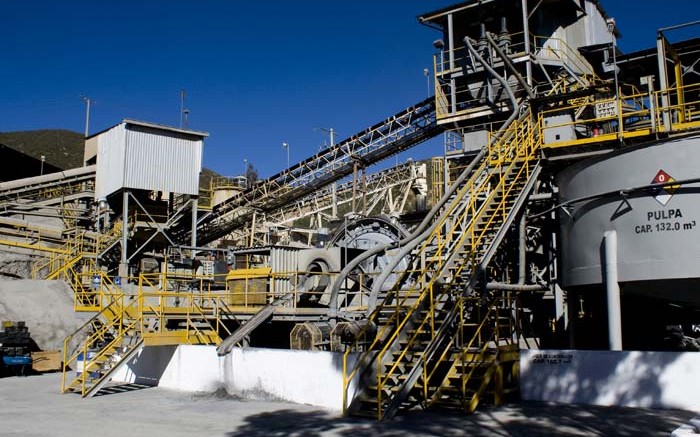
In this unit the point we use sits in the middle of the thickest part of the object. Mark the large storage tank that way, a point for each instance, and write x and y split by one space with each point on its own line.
658 231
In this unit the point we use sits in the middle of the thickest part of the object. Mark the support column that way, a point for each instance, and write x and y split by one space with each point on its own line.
612 289
663 80
451 47
526 35
124 262
334 194
193 241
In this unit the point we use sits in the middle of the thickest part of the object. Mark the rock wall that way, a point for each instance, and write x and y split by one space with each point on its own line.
45 306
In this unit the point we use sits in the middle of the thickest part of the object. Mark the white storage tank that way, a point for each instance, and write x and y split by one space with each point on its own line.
658 230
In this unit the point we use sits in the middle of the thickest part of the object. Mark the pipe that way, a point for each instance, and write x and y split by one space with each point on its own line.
333 310
612 288
50 177
451 48
509 64
193 237
620 192
515 287
522 250
526 36
388 270
124 264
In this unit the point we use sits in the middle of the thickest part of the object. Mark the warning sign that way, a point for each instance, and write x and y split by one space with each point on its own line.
664 194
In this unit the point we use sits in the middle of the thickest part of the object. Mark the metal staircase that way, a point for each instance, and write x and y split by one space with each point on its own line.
127 322
422 331
105 343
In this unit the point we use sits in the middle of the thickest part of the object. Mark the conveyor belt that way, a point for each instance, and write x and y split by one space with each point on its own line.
48 185
402 131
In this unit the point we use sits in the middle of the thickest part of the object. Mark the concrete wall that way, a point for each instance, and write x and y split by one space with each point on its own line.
186 367
307 377
627 378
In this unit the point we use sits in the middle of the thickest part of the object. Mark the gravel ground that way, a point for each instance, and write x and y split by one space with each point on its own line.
33 406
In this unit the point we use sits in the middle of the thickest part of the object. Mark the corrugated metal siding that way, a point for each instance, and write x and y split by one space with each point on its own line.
597 26
111 147
168 162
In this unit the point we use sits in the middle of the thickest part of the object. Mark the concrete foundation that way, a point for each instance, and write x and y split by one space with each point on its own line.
612 378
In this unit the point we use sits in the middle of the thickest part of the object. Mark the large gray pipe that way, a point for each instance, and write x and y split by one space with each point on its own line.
50 177
388 270
612 288
509 64
335 289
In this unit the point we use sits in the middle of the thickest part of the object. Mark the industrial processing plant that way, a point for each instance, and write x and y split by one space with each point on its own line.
554 236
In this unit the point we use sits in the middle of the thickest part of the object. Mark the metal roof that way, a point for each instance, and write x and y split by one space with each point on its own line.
133 122
439 17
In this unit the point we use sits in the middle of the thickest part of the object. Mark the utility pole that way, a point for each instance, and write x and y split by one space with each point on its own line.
87 115
285 145
331 132
426 73
182 106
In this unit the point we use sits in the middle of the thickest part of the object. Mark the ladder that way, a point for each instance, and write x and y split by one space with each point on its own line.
419 329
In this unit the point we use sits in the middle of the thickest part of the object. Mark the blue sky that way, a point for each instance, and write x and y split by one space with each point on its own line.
256 74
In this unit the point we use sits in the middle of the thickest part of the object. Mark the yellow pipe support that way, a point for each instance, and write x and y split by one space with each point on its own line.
679 89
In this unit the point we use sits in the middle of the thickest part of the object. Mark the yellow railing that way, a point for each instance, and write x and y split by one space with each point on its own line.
627 116
487 335
57 261
96 337
508 157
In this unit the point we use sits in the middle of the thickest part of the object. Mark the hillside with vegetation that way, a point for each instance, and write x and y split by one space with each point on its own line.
63 148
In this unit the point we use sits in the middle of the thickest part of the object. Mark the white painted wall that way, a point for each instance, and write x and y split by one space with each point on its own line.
186 367
626 378
308 377
193 368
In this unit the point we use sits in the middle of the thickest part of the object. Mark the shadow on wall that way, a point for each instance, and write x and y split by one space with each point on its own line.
527 419
148 366
631 379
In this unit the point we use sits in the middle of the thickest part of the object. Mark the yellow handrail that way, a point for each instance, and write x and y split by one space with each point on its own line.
516 147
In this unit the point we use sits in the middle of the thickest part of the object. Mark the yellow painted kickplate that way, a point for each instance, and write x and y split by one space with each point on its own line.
165 338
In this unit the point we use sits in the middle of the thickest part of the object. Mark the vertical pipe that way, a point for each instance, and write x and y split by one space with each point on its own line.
451 47
612 288
522 250
334 194
663 79
679 90
123 264
526 36
252 229
193 240
364 191
274 261
354 185
445 169
87 116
